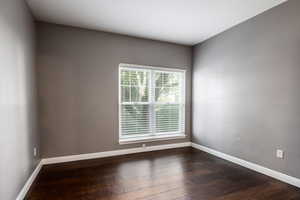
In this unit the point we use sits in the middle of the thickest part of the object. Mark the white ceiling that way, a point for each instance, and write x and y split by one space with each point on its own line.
180 21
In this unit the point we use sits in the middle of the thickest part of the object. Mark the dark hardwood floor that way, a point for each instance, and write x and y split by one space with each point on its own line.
177 174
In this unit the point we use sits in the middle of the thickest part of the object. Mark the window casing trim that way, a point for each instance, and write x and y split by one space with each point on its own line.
151 136
145 67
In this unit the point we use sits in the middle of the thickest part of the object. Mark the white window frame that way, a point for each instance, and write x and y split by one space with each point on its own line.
153 136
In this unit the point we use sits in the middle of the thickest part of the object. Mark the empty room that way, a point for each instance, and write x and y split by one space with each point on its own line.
150 100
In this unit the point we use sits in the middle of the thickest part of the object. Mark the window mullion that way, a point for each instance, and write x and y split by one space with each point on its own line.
152 102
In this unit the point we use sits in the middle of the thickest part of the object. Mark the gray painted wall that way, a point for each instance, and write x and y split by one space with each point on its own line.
78 85
18 134
246 96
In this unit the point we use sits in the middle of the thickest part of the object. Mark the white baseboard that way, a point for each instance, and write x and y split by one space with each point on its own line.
61 159
272 173
29 182
269 172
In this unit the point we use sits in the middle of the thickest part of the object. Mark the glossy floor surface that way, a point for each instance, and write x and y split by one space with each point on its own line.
177 174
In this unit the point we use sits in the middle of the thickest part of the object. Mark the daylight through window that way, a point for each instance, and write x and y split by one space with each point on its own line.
151 102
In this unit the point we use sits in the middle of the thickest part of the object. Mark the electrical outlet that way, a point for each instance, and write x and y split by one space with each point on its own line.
280 153
34 151
144 145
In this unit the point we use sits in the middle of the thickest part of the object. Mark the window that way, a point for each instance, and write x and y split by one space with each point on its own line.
151 103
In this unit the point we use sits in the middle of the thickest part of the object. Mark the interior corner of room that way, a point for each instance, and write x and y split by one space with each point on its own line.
77 91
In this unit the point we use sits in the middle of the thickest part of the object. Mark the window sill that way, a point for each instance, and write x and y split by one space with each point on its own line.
151 139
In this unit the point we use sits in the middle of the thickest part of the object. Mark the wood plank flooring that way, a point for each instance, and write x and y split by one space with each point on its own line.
177 174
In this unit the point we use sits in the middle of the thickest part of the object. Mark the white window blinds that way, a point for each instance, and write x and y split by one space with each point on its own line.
152 101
